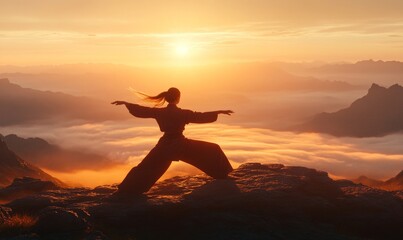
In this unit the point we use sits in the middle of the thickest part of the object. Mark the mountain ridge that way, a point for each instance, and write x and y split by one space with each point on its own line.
12 166
53 157
393 184
19 105
362 67
378 113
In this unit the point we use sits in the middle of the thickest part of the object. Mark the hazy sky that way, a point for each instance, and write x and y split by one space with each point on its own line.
198 32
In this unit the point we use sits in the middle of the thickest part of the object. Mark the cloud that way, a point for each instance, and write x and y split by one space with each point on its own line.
126 143
142 33
391 28
179 15
210 37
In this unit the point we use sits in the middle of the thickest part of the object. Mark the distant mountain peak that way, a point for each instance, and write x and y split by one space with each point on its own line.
377 89
7 85
398 179
4 81
400 175
378 113
19 105
2 143
12 166
393 184
371 61
369 66
375 86
14 138
363 177
367 61
396 87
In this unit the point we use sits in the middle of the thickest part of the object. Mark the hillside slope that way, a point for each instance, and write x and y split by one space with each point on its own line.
12 166
378 113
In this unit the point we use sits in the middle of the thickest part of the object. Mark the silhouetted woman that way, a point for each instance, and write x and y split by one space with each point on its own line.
173 145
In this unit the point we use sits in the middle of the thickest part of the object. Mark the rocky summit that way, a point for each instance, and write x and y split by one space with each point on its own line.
256 202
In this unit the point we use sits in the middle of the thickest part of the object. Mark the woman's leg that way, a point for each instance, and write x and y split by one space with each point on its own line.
142 177
206 156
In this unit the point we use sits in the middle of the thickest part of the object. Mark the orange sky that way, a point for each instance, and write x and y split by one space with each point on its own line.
198 32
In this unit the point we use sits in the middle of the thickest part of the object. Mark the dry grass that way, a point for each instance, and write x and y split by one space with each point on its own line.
18 224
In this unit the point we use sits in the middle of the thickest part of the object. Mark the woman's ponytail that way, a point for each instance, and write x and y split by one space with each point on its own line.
170 96
159 99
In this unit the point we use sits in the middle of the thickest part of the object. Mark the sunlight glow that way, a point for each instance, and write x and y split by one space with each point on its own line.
182 49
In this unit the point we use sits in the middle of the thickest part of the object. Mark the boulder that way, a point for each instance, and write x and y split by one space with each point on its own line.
61 220
105 189
33 204
25 186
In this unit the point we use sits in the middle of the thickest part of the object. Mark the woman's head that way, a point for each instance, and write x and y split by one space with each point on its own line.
171 96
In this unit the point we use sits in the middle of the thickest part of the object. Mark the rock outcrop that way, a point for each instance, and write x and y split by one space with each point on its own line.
57 219
26 186
393 184
256 202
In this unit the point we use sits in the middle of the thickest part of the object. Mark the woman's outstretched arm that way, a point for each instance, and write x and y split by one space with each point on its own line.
207 117
137 110
119 103
226 112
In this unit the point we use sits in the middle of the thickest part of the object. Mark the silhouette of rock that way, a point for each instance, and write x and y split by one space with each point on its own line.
35 203
368 181
257 202
56 219
378 113
50 156
105 189
26 186
12 166
393 184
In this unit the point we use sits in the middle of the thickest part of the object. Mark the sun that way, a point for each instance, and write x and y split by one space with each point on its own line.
182 49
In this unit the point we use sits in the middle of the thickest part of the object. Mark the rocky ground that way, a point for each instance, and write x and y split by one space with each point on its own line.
257 202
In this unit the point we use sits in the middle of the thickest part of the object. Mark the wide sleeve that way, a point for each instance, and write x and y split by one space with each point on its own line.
141 111
202 117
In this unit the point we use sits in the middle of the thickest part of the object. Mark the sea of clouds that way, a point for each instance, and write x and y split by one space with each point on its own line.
127 142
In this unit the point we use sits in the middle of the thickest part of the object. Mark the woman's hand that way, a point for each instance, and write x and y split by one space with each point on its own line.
226 112
119 103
